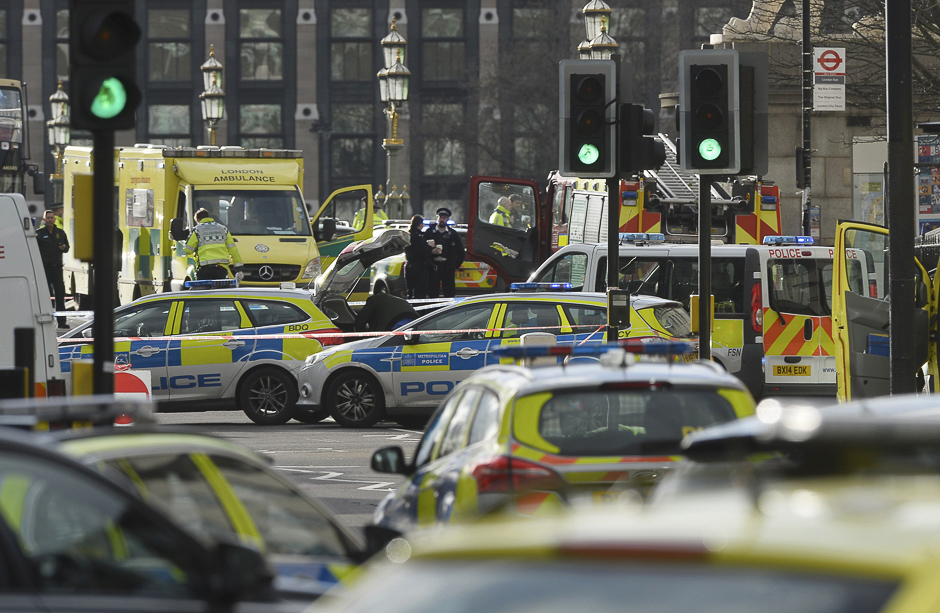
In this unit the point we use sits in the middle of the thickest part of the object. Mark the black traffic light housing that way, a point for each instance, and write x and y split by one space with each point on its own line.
754 139
639 150
103 37
709 107
587 118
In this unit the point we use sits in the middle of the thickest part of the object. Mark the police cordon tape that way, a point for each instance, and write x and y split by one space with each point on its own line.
318 334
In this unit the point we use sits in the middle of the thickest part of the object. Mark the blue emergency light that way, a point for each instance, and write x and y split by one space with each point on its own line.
210 284
433 222
531 286
629 345
788 240
768 200
629 195
636 237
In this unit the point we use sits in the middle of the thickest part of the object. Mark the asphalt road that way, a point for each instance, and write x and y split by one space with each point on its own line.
330 462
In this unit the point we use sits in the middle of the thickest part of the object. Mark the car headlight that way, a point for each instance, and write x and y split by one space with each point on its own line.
312 269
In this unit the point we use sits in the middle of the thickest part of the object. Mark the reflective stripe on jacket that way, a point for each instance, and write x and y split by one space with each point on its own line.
378 216
500 217
212 243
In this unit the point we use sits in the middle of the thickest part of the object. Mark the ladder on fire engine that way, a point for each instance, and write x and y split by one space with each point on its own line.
676 186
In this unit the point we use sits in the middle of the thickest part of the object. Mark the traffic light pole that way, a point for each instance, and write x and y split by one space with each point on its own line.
613 209
704 268
103 259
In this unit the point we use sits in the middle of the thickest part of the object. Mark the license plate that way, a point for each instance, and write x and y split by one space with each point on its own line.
464 276
791 370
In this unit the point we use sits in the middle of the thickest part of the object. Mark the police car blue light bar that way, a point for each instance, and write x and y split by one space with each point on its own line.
651 237
531 286
433 222
628 345
789 240
210 284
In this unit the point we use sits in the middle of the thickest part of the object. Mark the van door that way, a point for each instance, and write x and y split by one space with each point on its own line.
514 250
860 311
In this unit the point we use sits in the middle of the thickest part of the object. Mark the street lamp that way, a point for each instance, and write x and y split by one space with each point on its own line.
393 91
59 131
213 98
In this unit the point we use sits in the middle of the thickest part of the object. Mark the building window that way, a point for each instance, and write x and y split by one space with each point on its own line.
261 125
444 47
170 47
351 156
710 20
352 118
351 45
443 155
261 50
529 152
61 44
169 124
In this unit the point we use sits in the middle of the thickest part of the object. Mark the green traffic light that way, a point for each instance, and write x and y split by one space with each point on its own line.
709 149
110 100
588 154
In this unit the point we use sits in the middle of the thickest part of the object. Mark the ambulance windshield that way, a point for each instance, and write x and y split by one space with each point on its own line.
256 212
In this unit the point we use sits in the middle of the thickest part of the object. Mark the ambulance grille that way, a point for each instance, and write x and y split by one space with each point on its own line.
281 272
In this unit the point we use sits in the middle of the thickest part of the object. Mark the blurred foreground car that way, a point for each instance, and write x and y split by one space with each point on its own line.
71 540
833 550
538 437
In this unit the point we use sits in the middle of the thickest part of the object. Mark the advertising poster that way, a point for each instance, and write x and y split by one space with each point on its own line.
928 182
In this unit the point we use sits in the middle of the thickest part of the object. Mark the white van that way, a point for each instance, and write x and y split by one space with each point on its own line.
24 296
773 303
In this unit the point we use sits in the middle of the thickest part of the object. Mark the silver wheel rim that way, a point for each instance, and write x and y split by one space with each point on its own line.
268 395
355 400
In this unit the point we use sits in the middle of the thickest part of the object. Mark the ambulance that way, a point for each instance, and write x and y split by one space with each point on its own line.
256 193
25 297
773 325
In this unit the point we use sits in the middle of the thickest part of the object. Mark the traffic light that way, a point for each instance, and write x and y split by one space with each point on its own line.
754 138
709 106
587 118
103 36
638 150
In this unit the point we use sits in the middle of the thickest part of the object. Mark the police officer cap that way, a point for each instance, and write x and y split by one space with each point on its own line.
444 211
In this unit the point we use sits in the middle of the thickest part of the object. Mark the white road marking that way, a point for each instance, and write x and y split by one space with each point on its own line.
272 451
328 476
331 476
389 437
383 487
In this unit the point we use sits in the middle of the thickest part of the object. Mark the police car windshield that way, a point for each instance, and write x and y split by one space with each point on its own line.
256 212
632 421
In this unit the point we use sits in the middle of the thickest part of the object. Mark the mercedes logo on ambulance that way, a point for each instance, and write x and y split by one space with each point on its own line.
266 272
262 248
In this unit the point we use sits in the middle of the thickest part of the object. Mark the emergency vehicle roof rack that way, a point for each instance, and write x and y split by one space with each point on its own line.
210 284
630 346
532 286
789 240
63 413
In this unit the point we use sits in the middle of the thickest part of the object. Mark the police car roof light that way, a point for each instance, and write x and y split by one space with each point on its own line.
210 283
789 240
532 286
433 222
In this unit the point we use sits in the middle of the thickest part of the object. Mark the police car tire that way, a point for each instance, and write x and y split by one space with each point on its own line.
265 388
362 386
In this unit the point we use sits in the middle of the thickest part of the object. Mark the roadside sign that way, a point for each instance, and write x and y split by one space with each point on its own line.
828 79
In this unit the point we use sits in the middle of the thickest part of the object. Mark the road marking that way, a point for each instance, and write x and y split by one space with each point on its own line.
389 437
273 451
379 487
331 466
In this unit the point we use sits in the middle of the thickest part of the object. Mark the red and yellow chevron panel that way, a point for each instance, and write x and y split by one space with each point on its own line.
788 338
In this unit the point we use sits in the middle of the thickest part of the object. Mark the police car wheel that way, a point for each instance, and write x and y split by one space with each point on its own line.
268 396
355 400
311 417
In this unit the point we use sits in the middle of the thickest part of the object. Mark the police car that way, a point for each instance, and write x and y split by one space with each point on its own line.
536 438
405 375
190 342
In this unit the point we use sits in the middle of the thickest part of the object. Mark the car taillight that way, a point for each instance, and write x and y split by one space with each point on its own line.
872 289
505 474
757 311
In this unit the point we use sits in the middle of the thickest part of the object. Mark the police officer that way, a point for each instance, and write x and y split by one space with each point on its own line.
501 214
445 263
53 242
214 247
378 215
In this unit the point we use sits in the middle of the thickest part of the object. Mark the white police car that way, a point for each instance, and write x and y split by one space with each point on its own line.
406 374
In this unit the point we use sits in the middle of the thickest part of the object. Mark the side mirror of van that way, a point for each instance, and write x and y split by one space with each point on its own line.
39 183
178 231
325 229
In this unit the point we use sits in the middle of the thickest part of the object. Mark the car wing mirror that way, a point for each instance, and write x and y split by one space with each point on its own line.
410 338
178 231
390 460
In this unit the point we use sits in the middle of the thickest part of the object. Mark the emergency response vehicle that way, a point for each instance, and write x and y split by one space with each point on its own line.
255 193
540 437
205 349
773 325
24 294
405 375
860 311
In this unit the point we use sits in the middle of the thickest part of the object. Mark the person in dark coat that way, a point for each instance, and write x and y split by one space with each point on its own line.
418 260
383 312
52 244
448 260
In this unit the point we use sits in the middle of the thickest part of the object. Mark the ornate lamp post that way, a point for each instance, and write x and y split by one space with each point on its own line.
59 131
213 98
393 91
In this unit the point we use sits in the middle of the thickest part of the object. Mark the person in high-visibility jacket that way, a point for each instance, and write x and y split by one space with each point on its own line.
214 249
500 216
378 215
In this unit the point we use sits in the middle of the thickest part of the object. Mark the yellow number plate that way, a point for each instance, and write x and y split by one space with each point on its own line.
464 276
791 370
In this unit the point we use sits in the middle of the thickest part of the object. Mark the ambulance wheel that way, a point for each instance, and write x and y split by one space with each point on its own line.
311 417
268 396
355 400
